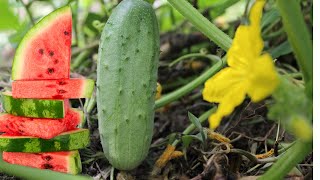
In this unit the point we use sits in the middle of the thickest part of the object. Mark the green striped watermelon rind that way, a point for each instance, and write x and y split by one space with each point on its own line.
33 108
88 88
17 65
71 140
75 166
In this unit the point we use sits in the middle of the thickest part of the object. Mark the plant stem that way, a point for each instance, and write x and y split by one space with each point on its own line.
26 7
202 23
299 38
91 103
29 173
76 51
290 159
190 86
191 127
112 173
212 58
78 61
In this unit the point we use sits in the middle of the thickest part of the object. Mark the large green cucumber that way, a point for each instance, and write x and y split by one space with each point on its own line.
71 140
35 108
126 83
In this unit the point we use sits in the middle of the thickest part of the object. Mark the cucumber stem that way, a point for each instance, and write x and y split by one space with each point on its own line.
170 97
299 39
78 61
212 58
292 157
202 23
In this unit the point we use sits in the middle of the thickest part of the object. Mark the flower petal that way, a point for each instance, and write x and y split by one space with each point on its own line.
220 85
247 43
256 13
263 78
233 99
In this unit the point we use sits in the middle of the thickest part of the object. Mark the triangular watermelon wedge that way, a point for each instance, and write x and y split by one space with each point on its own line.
44 52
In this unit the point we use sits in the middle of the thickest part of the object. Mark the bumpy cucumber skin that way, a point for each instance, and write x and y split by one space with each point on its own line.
126 83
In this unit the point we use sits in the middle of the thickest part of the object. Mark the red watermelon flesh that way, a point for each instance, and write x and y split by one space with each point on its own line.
38 127
64 161
53 89
44 52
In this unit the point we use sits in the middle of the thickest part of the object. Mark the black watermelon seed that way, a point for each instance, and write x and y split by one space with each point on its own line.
61 91
47 166
61 82
66 33
50 70
47 158
51 53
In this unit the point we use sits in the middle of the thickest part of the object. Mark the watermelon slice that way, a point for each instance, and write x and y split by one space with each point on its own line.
53 89
42 128
35 108
71 140
66 162
44 52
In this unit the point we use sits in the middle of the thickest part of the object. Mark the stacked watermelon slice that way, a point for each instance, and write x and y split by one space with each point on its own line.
39 128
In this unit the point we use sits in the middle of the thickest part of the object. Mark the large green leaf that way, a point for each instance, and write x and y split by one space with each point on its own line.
9 21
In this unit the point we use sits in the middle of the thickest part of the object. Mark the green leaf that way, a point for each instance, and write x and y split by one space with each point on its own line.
171 137
220 7
269 17
197 123
16 37
85 3
283 49
150 1
293 109
89 24
168 17
188 139
9 21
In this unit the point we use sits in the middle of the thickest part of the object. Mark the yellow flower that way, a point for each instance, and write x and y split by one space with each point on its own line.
249 71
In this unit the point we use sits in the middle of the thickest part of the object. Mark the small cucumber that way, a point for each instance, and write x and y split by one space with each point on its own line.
126 83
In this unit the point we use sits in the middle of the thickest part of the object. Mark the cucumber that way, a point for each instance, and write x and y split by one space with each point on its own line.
34 108
71 140
126 83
